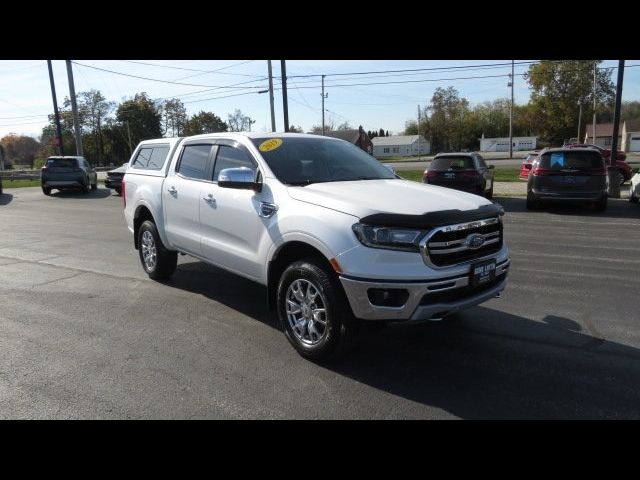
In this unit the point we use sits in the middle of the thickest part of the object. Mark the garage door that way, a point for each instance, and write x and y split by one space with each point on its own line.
634 144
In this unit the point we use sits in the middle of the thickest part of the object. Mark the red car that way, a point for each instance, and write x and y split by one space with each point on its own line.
625 170
525 169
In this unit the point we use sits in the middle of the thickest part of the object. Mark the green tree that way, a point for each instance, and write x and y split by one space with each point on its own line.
204 122
174 117
556 89
140 117
344 126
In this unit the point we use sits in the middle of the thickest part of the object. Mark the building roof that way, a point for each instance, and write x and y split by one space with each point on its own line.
348 135
396 140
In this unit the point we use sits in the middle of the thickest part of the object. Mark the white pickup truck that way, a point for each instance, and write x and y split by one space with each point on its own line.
335 236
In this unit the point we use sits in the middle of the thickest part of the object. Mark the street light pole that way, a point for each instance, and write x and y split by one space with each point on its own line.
593 136
323 97
614 181
511 113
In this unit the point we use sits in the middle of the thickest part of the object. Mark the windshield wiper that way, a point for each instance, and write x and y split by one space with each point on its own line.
300 183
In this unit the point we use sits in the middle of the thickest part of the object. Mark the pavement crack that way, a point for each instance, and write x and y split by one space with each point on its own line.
56 280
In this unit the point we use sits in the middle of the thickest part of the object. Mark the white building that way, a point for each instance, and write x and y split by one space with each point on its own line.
628 135
502 144
400 146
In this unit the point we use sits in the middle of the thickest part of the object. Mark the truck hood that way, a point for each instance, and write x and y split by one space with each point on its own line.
367 197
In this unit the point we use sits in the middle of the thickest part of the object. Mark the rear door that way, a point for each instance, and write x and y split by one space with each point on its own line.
181 196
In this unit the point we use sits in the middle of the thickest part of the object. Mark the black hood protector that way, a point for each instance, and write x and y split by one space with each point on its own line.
433 219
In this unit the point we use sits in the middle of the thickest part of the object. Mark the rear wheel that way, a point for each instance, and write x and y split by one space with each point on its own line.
621 178
632 195
601 205
532 203
490 192
314 311
46 190
158 262
94 186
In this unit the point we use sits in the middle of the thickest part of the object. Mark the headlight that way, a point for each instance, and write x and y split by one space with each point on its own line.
389 238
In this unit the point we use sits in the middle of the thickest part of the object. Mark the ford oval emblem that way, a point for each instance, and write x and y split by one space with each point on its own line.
474 241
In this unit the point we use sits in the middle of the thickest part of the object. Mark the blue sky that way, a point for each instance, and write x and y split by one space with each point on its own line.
25 95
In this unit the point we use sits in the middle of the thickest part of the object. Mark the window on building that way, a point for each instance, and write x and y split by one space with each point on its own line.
607 142
385 150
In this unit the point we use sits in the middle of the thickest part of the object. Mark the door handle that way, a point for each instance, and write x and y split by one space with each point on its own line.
209 199
172 190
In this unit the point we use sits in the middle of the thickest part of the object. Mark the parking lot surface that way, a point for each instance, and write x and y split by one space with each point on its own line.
85 334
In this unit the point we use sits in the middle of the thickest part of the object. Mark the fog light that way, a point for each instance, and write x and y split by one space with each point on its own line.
388 297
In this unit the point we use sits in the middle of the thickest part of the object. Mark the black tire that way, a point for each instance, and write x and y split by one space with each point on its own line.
601 205
341 328
532 203
621 178
632 197
165 260
94 186
489 194
46 190
86 187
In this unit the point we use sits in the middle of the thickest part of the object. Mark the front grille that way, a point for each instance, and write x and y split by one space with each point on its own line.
454 244
456 294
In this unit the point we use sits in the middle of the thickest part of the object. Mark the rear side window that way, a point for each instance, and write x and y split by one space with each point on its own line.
229 157
151 158
571 160
194 160
445 163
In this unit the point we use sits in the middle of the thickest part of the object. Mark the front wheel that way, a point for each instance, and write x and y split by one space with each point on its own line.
601 205
94 186
632 196
621 178
158 262
314 311
490 192
46 190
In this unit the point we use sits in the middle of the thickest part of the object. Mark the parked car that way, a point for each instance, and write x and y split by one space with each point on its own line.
68 172
114 178
336 238
634 188
625 169
568 174
461 171
525 168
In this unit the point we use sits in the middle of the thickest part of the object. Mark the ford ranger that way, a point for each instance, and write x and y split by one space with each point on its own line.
336 237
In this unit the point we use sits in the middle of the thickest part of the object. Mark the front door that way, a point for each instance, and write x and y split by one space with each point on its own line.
230 224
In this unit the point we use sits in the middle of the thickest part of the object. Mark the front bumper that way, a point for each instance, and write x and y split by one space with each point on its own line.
592 196
451 294
63 184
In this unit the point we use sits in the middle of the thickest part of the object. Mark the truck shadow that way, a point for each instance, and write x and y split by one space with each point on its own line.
480 364
617 208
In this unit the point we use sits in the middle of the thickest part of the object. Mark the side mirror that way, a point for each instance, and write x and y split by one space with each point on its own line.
242 178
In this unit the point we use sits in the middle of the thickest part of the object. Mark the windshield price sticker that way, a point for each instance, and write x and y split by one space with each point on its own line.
269 145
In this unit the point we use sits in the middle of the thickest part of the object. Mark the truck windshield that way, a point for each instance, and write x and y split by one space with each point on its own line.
305 160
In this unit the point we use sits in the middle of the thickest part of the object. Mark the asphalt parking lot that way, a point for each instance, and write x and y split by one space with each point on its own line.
85 334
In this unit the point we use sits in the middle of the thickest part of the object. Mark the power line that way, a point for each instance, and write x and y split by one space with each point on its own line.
197 69
164 81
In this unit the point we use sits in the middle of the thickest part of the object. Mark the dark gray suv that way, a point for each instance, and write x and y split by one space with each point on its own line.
568 175
68 172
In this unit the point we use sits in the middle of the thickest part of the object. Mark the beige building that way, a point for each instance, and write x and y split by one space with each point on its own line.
628 135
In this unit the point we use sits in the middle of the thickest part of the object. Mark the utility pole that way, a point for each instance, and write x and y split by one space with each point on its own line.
579 120
273 113
419 146
55 109
129 135
614 180
593 136
323 95
511 113
285 104
74 108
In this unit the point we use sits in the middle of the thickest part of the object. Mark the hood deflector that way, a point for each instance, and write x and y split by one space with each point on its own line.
433 219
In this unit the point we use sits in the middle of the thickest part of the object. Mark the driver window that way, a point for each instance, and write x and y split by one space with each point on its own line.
231 157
